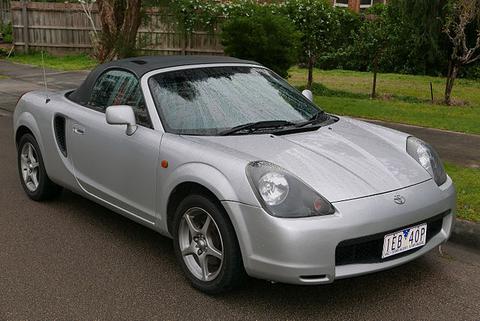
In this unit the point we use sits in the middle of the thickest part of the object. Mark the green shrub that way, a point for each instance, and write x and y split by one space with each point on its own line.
337 56
264 37
6 31
471 71
419 44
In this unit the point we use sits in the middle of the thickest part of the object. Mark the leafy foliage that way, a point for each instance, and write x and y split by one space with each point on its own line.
317 22
6 31
331 37
338 55
372 40
419 46
471 71
264 37
194 14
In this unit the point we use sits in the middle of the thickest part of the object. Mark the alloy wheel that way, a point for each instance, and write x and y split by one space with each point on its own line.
201 244
30 167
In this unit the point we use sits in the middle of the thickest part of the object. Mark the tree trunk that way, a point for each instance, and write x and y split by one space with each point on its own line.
311 64
120 22
451 76
131 23
374 83
108 21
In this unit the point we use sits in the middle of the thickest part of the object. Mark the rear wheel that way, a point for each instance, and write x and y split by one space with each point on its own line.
206 245
34 178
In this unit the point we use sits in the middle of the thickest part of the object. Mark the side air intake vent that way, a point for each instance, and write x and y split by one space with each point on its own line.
59 125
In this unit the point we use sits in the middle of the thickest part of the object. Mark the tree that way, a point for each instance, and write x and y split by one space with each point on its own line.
418 44
120 20
372 43
315 19
338 55
464 15
264 37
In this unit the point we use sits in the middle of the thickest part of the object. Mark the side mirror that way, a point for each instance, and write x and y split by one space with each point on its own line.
121 115
308 93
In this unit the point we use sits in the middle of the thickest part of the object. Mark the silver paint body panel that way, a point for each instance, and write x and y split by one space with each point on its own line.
358 166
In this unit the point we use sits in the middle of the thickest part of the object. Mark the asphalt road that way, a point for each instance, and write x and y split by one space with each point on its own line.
16 79
73 259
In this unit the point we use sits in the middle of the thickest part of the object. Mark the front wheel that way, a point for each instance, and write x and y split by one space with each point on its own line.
206 245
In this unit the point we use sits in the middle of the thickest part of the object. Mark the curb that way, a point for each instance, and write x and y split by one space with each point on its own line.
466 233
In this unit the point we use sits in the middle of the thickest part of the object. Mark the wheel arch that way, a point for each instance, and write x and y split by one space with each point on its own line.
196 178
21 131
181 191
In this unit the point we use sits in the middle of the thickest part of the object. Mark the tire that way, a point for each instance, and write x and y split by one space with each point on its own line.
228 271
33 176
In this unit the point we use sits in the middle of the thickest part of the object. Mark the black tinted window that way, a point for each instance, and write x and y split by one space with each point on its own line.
118 87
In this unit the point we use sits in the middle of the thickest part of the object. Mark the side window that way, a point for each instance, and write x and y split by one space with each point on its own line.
119 87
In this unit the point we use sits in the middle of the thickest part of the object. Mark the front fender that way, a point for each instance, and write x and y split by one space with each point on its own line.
200 173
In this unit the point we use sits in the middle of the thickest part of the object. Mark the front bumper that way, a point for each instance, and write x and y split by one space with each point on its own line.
303 250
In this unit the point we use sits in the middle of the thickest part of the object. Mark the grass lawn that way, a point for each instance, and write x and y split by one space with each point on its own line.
71 62
467 182
402 98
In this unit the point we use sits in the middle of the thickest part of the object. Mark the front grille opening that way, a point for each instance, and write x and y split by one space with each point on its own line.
59 126
368 249
313 277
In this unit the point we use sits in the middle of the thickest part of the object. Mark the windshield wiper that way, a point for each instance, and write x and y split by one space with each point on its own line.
316 118
250 127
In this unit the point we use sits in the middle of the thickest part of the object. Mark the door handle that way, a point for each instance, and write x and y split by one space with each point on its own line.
78 130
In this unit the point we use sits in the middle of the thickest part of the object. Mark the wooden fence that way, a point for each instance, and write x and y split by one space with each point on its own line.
62 28
4 11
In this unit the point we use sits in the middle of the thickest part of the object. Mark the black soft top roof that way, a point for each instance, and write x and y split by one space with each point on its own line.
142 65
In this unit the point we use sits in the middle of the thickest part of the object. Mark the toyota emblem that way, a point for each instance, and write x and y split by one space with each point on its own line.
399 199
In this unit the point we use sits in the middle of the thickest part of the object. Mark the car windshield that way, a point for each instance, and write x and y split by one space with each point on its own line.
210 100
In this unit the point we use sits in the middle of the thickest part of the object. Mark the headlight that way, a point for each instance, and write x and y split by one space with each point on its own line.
282 194
426 156
273 188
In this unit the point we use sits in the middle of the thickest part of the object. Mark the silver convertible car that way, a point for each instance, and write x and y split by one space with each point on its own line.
244 172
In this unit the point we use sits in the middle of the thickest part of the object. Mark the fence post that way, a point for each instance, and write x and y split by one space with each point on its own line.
25 25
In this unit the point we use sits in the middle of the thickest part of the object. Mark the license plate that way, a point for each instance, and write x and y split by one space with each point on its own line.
404 240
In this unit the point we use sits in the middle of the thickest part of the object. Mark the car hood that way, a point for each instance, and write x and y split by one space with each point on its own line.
346 160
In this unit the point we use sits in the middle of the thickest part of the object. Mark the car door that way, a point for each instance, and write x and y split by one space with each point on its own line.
109 164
